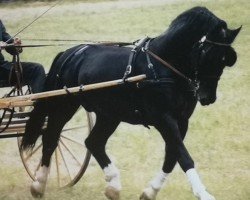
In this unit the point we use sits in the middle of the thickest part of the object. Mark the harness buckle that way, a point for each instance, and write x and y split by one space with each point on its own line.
203 39
127 72
150 65
129 69
81 88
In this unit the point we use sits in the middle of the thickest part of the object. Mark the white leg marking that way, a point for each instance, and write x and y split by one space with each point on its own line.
38 186
199 189
158 180
112 176
155 185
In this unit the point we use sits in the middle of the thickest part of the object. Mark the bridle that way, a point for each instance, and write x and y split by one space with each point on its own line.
201 43
204 39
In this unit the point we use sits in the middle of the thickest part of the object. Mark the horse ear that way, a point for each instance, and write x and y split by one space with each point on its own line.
232 34
230 57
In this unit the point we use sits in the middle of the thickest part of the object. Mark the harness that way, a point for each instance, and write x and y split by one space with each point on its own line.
143 45
134 52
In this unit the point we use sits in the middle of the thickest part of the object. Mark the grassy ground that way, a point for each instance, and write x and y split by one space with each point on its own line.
218 137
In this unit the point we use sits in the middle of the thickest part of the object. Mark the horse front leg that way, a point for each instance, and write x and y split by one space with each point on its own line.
172 134
169 163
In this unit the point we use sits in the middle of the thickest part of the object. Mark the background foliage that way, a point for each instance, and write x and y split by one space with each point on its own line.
218 137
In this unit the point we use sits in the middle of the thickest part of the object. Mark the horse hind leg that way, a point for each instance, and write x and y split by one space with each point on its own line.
95 142
38 186
57 118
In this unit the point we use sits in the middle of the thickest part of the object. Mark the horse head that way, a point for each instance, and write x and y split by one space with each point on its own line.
213 53
198 44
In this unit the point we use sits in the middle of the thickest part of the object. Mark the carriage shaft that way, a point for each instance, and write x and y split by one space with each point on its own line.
28 100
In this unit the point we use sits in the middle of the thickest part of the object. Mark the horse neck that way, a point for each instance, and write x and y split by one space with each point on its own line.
175 50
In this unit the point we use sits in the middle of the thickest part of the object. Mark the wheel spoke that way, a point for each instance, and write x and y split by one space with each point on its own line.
67 167
38 166
64 161
32 153
72 140
74 128
70 152
57 168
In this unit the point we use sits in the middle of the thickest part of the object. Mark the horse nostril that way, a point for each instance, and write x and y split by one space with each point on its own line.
206 101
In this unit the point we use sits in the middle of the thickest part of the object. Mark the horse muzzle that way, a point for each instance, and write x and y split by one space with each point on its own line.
206 100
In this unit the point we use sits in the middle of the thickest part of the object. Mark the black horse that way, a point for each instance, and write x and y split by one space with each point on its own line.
197 44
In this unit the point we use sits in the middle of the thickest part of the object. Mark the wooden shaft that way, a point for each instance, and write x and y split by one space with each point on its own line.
28 100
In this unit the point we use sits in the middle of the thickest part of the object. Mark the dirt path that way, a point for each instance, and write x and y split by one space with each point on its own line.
78 8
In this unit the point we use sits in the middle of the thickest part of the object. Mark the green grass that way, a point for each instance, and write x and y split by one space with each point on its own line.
32 3
218 137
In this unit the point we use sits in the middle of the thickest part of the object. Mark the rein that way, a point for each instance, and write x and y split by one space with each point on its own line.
40 16
166 64
78 40
193 83
107 43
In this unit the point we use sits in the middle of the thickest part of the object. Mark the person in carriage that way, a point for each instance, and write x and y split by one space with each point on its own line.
33 73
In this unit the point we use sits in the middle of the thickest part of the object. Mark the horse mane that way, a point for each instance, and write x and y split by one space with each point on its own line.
176 43
194 22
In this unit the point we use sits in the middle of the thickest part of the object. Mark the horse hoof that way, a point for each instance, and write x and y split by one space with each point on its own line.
148 194
36 190
144 196
205 196
112 193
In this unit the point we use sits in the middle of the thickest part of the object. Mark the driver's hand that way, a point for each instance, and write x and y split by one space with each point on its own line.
2 45
17 41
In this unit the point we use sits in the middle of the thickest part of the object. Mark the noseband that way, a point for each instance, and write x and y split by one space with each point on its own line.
204 39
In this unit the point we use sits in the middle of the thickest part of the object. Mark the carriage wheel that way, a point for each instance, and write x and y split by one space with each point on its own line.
71 158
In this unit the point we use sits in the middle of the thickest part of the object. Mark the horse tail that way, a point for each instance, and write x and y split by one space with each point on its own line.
34 125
